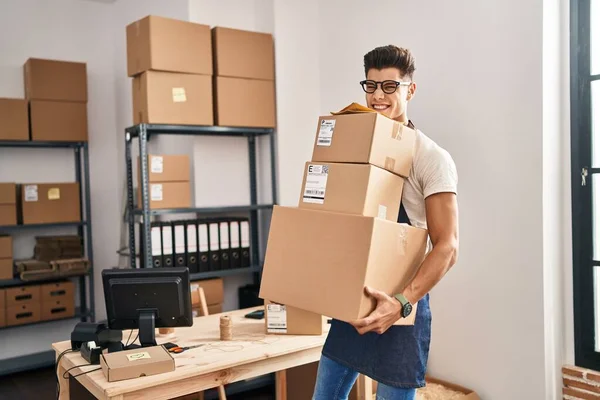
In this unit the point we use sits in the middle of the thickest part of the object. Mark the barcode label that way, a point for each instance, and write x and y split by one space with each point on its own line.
316 183
276 318
325 136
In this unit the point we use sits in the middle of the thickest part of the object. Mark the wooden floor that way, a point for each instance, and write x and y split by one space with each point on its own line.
41 385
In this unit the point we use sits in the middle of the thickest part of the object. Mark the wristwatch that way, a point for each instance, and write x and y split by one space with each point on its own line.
406 306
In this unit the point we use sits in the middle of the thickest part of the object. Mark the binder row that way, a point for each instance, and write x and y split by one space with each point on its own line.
201 244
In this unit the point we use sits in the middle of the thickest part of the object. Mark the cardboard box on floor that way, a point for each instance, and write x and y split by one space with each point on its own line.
321 261
213 291
55 80
468 393
167 44
365 137
288 320
360 189
8 203
14 119
43 203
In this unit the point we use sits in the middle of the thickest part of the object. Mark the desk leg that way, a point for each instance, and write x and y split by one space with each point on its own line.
281 385
364 387
64 383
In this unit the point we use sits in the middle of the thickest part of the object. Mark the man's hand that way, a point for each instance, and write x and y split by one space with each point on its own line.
385 314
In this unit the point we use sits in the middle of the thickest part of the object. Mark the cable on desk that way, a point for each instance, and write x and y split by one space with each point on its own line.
66 373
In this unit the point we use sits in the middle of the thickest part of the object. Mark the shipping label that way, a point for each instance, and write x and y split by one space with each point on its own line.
326 132
316 183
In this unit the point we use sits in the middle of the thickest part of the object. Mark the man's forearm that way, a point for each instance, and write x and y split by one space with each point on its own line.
433 268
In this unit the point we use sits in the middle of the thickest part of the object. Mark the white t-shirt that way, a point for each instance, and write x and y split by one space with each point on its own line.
433 171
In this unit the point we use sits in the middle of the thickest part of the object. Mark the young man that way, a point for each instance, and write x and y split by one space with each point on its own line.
396 356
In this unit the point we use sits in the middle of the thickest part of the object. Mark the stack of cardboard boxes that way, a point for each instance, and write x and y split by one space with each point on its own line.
169 181
344 234
186 73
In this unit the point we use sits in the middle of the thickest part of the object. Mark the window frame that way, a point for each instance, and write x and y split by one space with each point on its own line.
581 195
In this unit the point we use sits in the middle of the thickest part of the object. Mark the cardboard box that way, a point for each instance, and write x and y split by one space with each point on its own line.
307 250
167 168
288 320
14 119
252 106
213 291
165 44
172 98
243 54
468 393
2 308
23 295
6 268
57 309
44 203
167 195
55 80
212 309
57 291
361 189
6 258
366 138
58 121
6 250
8 204
22 314
129 364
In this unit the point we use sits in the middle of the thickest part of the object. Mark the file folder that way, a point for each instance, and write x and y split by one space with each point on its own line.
235 248
179 231
214 248
224 244
191 246
203 247
167 244
245 242
156 251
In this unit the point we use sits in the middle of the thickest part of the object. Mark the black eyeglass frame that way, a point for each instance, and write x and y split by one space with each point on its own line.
381 84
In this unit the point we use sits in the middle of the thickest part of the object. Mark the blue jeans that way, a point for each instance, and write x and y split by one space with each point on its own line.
334 382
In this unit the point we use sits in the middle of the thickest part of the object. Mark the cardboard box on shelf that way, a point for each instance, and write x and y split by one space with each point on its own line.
6 268
57 309
6 258
288 320
8 203
6 250
2 308
57 291
167 195
130 364
172 98
367 138
252 106
14 119
166 44
309 249
213 291
44 203
21 314
361 189
167 168
23 295
58 121
243 54
55 80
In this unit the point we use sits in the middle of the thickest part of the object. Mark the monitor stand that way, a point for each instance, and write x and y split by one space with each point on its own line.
146 324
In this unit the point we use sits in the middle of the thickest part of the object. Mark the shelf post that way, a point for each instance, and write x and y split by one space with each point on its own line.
130 216
147 244
273 167
88 229
253 201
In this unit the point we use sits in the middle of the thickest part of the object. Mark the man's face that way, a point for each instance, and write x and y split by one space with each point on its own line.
392 105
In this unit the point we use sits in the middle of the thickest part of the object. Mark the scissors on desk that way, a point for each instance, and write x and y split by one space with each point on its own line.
179 349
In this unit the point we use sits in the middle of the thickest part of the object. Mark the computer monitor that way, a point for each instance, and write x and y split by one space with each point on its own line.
146 299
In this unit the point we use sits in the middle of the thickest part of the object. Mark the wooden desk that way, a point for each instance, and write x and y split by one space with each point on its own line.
251 353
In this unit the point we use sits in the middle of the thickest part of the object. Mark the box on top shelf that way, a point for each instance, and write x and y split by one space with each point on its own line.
253 104
361 189
8 203
55 80
166 44
14 119
172 98
365 137
58 121
243 54
44 203
307 250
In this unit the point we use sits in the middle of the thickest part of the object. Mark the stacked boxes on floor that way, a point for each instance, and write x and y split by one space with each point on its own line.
344 234
213 292
168 180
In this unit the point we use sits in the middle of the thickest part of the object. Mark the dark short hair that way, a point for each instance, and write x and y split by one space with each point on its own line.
390 56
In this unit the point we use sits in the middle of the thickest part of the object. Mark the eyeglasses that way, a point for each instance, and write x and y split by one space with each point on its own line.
388 86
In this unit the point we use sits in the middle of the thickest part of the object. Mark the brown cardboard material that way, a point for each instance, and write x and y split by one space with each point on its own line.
167 168
172 98
468 393
213 291
6 243
43 203
23 314
252 106
59 121
22 295
215 309
130 364
367 138
243 54
55 80
14 119
8 193
6 268
167 195
8 204
361 189
57 291
307 250
57 309
287 320
166 44
2 308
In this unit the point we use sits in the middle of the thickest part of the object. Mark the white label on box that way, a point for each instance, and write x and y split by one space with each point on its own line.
382 213
316 182
31 193
156 192
179 95
276 318
326 132
156 164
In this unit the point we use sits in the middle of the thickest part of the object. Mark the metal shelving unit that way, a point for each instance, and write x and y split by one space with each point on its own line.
84 229
143 132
